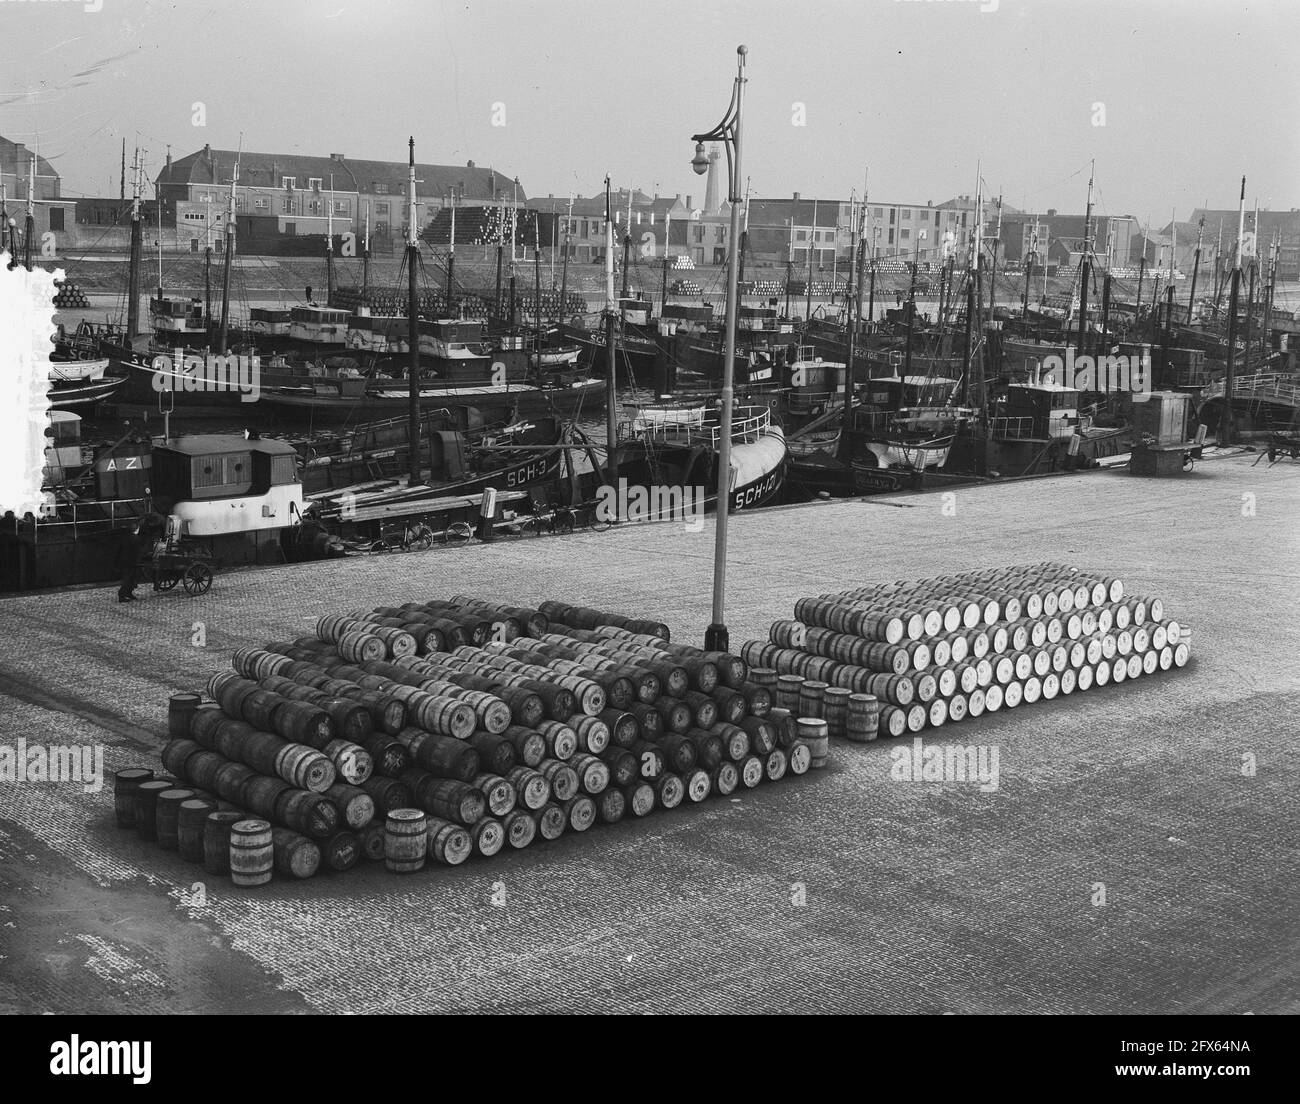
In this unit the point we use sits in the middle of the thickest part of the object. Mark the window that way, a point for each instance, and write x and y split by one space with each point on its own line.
314 207
261 203
879 212
904 234
342 207
907 214
194 245
892 212
699 234
286 205
721 234
313 182
801 235
56 218
203 197
239 203
891 237
936 218
381 208
289 182
380 189
963 218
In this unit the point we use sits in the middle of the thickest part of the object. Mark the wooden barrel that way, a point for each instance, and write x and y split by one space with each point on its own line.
202 768
835 709
724 778
166 815
305 768
450 800
703 707
993 698
862 716
294 855
532 788
562 778
359 646
387 753
496 753
669 790
775 765
593 774
649 720
520 828
611 805
696 784
751 771
622 765
372 841
622 726
146 805
530 745
735 740
190 819
216 840
355 806
679 750
487 837
497 791
406 841
677 715
125 782
342 851
892 720
561 740
639 797
304 723
755 700
580 811
800 757
180 710
551 821
619 690
763 735
252 853
592 733
309 813
352 763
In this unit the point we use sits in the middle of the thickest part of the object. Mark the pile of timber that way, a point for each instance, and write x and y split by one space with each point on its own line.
437 730
898 657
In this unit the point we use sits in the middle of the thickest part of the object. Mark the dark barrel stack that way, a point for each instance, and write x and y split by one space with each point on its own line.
470 726
899 657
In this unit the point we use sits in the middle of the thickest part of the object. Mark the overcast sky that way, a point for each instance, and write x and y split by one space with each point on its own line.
1194 92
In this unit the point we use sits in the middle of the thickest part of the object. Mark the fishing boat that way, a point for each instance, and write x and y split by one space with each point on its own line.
671 449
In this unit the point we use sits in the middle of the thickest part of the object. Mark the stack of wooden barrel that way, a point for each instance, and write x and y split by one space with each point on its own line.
437 730
898 657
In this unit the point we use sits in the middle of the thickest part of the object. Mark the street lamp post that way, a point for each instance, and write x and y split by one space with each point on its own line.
727 132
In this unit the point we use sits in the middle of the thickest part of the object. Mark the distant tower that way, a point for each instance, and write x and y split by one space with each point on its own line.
712 205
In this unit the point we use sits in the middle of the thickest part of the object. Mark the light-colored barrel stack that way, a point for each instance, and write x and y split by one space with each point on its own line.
472 726
924 653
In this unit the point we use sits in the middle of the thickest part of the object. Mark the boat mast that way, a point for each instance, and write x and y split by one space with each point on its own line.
1250 294
969 389
1196 267
1234 296
537 290
855 315
663 291
29 228
207 272
744 233
329 246
365 258
993 272
564 266
133 270
412 320
1085 270
228 260
812 236
611 408
627 244
451 248
158 207
501 239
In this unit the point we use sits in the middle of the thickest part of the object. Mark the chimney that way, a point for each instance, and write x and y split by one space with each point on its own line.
711 204
796 197
336 157
689 205
469 164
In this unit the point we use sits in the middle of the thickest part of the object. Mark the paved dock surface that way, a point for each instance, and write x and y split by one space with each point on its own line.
838 891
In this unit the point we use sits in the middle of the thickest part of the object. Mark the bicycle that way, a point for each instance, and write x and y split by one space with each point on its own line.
415 536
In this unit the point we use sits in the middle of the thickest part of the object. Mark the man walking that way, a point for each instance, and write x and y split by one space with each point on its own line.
138 542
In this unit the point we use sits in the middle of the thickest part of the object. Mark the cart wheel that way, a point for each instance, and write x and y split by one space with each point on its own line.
198 579
458 533
168 580
1188 462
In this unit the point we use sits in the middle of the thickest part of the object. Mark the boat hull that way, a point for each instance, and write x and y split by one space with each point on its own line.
525 401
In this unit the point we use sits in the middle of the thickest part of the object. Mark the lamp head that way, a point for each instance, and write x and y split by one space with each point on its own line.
700 162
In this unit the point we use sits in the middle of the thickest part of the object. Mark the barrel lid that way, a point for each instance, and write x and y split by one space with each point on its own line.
175 794
196 803
406 814
157 785
132 774
226 816
252 825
